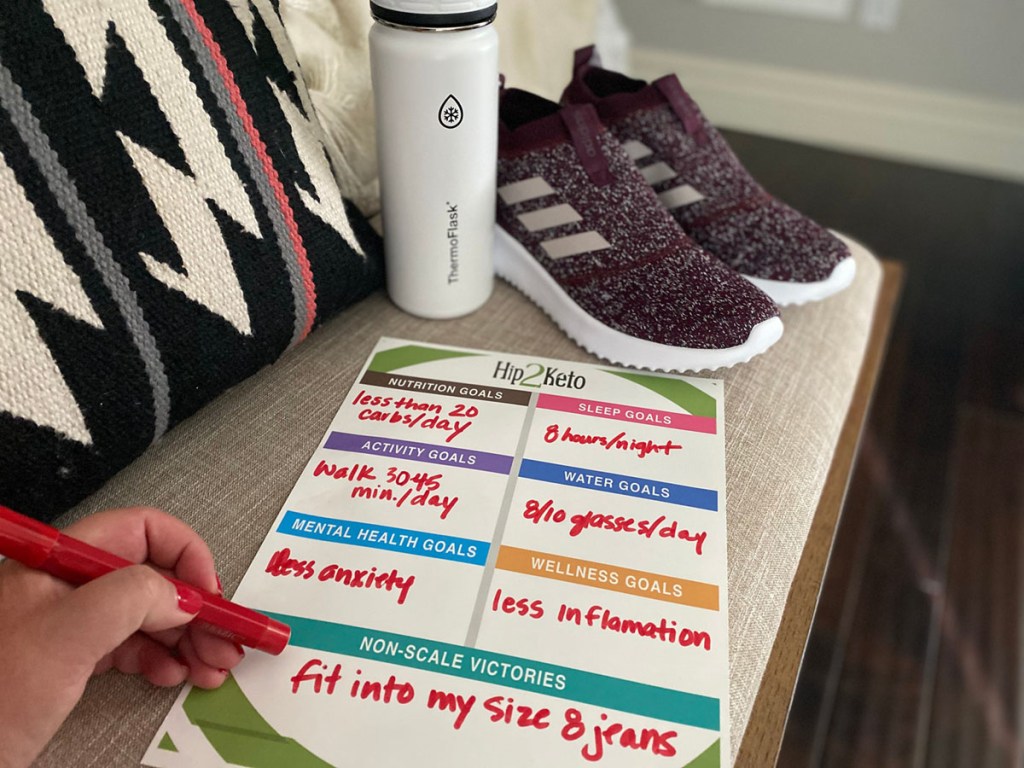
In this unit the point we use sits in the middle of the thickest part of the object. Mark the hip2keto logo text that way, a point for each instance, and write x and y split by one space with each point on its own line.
536 376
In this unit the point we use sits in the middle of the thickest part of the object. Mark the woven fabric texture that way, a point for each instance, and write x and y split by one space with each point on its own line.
228 469
169 224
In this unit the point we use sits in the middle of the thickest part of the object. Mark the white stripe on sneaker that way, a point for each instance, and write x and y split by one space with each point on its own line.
571 245
546 218
680 196
637 149
527 189
655 173
514 263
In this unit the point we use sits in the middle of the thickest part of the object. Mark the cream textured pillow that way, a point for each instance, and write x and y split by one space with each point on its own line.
537 41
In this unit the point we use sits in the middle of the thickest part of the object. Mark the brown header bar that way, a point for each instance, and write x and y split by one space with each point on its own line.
449 388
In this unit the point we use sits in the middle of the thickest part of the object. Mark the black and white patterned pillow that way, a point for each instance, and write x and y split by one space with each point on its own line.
169 224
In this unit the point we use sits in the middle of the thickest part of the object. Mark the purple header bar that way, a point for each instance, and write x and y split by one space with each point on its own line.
431 454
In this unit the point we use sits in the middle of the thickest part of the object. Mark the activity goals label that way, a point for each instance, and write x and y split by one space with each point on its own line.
489 559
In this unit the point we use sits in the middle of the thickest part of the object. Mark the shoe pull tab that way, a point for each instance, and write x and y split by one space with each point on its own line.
583 124
681 103
586 56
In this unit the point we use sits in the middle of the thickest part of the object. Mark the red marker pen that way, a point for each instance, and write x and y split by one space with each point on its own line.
39 546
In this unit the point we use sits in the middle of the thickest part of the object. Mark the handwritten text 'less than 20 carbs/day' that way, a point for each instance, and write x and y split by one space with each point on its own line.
416 414
398 487
595 737
660 527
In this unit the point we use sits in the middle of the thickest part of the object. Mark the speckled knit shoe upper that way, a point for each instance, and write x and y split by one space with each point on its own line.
702 183
583 234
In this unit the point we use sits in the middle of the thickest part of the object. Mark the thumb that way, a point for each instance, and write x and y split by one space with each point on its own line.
94 619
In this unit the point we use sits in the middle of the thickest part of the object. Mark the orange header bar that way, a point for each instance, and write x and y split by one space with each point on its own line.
611 577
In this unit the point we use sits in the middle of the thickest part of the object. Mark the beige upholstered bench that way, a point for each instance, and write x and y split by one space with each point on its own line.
227 470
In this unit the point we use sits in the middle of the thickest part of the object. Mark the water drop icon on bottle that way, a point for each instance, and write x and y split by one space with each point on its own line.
450 113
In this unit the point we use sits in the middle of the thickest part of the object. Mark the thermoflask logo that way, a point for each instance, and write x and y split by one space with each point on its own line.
450 113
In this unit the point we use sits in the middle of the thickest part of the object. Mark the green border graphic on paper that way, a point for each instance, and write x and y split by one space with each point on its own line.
241 736
167 744
709 758
410 354
239 733
684 394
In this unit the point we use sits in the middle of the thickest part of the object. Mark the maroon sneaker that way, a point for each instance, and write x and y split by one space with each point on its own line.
582 234
702 183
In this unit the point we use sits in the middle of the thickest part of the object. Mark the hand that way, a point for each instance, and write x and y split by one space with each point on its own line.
54 637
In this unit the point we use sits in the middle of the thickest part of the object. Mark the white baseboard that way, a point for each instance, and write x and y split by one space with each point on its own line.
942 129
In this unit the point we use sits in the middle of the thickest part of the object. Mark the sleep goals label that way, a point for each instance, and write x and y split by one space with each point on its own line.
490 559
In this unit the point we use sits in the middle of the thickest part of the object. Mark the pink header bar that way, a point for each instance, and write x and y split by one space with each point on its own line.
630 413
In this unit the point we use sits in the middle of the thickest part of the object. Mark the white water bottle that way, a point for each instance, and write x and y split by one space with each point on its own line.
434 65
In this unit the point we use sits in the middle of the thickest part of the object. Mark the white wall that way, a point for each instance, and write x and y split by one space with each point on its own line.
971 46
945 87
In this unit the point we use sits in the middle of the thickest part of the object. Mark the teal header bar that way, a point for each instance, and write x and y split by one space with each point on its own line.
510 671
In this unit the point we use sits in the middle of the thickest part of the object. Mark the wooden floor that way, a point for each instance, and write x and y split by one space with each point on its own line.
916 657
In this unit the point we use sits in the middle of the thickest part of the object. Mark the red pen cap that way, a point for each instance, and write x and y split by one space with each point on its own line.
222 617
275 637
26 540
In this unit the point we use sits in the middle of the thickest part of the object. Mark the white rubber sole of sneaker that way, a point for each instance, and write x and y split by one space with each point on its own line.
515 264
784 294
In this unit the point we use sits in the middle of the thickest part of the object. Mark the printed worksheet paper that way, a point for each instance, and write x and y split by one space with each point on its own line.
489 560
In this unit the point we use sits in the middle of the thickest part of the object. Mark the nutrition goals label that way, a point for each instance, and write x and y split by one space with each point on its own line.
498 559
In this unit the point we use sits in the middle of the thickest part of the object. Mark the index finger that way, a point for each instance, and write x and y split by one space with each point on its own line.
141 534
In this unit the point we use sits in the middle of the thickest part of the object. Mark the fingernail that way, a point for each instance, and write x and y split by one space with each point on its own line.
220 587
240 649
189 600
223 671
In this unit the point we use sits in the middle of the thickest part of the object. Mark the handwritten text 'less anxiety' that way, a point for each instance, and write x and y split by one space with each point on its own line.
283 564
